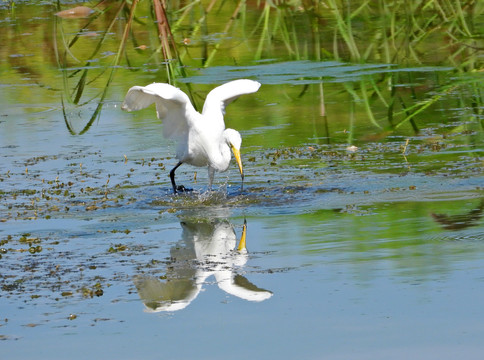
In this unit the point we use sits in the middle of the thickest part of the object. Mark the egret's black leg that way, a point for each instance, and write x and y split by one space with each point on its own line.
172 177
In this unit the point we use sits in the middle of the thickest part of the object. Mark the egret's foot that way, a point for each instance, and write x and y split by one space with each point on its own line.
182 189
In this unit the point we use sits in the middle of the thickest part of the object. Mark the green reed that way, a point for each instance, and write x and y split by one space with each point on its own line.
87 74
407 33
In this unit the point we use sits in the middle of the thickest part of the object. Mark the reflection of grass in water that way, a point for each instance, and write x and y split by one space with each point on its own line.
396 32
400 32
74 96
403 33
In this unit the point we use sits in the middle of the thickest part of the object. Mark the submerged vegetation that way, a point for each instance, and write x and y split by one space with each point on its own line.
339 73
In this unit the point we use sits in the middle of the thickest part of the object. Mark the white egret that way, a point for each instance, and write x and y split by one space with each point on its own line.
202 139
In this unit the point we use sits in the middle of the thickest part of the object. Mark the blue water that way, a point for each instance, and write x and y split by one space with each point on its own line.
351 254
329 300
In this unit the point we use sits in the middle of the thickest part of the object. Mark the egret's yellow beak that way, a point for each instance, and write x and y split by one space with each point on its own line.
239 162
242 239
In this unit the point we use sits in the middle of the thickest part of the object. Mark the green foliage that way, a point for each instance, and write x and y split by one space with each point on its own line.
173 43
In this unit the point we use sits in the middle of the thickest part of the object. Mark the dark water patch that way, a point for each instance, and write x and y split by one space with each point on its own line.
303 72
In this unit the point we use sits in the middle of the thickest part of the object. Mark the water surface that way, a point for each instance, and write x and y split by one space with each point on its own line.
363 225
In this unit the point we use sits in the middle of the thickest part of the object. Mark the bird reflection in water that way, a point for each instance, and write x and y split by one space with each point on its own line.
206 248
461 221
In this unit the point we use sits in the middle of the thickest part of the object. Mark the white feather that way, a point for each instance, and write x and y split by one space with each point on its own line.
201 138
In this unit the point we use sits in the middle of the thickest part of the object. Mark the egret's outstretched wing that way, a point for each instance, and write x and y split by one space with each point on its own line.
239 286
221 96
173 106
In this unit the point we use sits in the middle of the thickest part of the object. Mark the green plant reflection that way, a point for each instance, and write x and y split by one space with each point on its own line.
177 39
460 221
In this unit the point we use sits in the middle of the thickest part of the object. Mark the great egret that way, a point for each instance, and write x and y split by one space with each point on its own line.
202 139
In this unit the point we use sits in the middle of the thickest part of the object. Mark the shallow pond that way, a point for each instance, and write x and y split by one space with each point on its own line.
361 210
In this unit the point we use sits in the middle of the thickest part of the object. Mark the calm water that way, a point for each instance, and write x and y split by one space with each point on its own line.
364 235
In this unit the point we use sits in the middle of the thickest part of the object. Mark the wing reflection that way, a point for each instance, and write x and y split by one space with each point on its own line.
206 249
460 221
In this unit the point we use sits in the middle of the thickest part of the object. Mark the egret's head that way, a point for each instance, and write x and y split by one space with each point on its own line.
234 140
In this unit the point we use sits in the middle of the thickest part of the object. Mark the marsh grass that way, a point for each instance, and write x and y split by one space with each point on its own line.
82 77
206 33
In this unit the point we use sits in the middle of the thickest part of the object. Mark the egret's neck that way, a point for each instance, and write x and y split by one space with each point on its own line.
223 160
220 157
